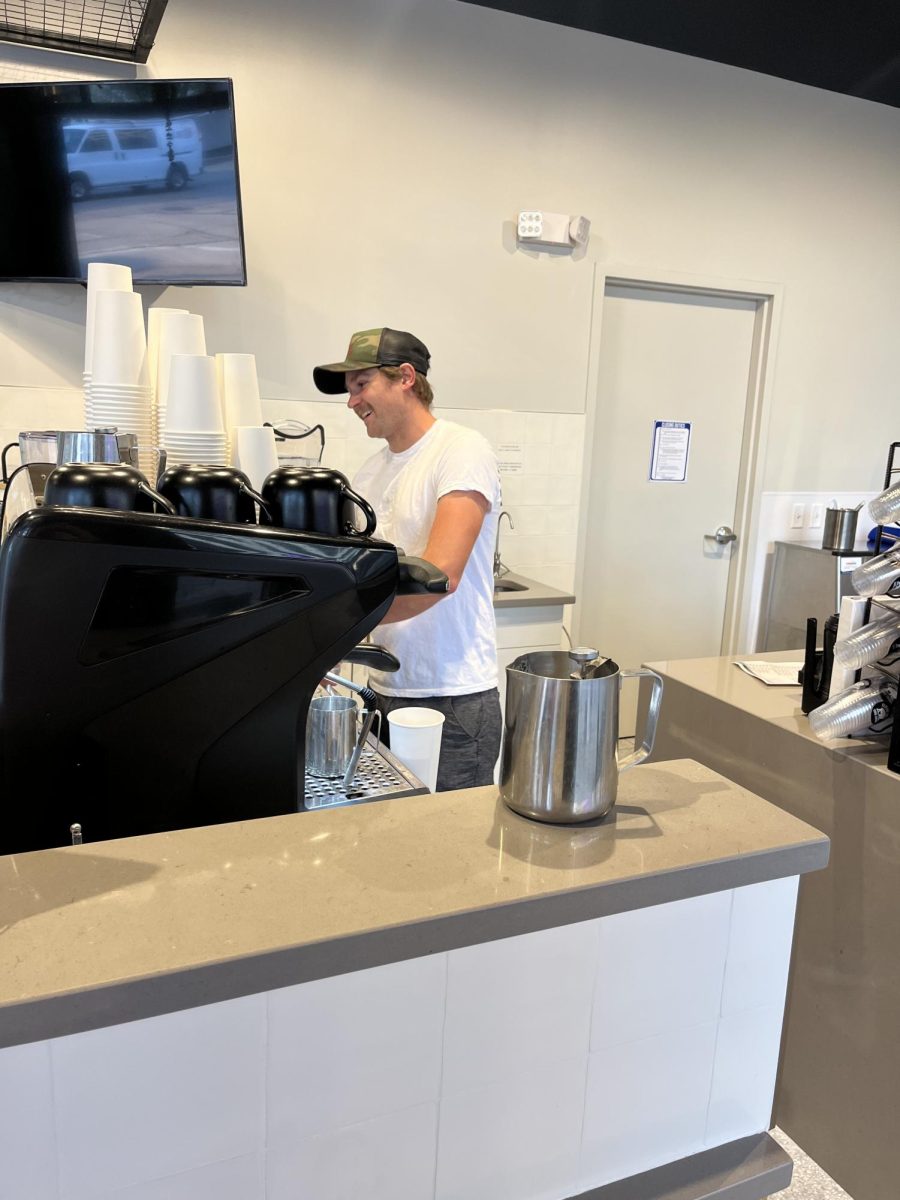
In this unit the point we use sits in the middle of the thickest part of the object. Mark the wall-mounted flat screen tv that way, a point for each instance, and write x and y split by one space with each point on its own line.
142 172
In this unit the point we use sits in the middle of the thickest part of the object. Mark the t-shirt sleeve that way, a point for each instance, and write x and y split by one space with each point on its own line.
469 465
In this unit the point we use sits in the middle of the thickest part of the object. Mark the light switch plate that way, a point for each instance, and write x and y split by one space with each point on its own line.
798 515
816 515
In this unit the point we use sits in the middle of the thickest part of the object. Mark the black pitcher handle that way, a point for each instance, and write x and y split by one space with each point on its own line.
367 510
6 450
263 507
164 504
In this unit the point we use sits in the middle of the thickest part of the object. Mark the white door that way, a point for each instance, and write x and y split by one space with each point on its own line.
654 583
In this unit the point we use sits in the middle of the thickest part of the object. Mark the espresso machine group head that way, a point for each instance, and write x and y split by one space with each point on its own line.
156 671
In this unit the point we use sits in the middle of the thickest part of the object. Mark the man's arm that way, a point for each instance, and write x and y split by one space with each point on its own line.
457 524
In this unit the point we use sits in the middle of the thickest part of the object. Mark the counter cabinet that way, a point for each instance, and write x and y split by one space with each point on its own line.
423 998
838 1093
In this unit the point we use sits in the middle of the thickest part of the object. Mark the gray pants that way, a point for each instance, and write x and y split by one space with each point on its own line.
470 741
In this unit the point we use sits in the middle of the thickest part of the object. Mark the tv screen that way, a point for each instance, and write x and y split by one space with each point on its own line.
142 172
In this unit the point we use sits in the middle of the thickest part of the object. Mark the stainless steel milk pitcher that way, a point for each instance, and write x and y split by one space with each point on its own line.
559 760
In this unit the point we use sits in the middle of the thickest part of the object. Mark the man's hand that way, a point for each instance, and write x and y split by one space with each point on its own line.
457 524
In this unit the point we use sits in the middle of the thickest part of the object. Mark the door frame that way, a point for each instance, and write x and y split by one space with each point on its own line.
738 634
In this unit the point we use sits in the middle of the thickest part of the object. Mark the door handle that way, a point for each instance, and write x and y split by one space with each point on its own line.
723 535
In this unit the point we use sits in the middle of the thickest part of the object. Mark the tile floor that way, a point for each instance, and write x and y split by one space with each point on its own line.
809 1182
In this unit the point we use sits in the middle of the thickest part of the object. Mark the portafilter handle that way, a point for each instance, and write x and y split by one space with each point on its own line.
418 577
377 658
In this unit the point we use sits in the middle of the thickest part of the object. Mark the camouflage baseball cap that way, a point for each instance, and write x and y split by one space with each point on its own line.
373 348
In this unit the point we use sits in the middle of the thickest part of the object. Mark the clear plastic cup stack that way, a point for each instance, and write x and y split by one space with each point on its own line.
875 576
868 704
869 644
886 506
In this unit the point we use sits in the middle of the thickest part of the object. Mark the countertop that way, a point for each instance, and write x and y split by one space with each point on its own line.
533 595
720 679
114 931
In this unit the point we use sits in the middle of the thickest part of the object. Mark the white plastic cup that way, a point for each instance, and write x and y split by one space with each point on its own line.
416 740
253 451
193 394
239 389
155 319
119 353
101 277
179 333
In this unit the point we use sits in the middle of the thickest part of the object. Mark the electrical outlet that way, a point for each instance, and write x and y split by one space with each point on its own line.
816 515
798 516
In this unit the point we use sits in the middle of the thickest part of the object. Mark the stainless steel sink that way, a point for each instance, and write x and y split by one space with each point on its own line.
509 585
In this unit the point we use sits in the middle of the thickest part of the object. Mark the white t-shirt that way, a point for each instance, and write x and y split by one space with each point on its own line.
451 649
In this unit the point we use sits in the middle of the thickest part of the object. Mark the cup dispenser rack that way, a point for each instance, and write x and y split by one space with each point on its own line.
889 666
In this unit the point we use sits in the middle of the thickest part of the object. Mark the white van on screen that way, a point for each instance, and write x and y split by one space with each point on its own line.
123 154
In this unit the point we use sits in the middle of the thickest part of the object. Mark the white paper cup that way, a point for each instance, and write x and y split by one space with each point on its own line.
179 333
239 389
416 740
253 450
101 277
119 353
155 319
193 394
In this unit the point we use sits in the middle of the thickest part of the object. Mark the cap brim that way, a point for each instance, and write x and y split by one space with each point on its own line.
330 379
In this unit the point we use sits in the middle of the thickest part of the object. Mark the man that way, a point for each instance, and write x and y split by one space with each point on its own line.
435 489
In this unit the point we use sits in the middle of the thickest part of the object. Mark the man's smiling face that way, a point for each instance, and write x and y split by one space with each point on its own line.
380 403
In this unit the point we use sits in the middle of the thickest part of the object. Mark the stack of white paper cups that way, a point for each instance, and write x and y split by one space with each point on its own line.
120 388
155 319
106 277
195 430
239 391
253 451
175 333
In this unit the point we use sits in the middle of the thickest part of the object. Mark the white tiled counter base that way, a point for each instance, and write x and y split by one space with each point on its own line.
528 1069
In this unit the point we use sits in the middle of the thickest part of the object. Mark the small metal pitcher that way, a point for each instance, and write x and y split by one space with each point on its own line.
559 759
336 733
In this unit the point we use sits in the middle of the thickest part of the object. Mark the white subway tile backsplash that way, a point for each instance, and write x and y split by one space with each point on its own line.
514 489
528 518
515 1139
514 1004
157 1097
353 1047
646 1103
759 952
568 431
389 1158
241 1178
746 1065
538 428
27 1136
661 969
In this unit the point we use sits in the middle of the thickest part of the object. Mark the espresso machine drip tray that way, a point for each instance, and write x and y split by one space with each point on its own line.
379 776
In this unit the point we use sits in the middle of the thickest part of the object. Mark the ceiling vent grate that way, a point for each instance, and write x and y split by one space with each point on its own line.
123 29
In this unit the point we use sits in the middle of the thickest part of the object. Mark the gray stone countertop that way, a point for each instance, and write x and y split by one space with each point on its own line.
114 931
720 679
531 595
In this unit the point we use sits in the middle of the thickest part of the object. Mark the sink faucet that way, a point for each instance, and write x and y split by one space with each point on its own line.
499 568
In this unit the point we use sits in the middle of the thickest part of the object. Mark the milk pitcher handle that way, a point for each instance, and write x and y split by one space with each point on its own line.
632 760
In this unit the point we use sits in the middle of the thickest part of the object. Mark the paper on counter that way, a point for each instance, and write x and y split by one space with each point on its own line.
773 674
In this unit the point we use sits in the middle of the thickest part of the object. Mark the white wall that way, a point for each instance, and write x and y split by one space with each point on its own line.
385 147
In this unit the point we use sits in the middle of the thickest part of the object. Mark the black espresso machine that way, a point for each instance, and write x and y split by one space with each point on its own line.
156 671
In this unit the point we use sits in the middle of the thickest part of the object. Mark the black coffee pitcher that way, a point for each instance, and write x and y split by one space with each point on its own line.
315 500
103 485
211 493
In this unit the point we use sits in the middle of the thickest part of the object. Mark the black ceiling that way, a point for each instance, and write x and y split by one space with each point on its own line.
851 46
